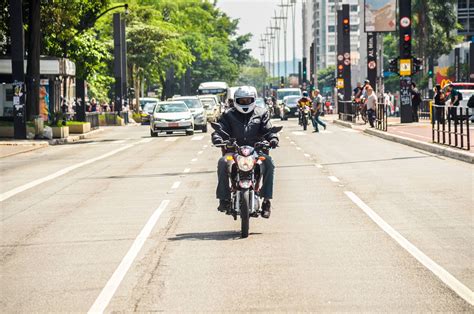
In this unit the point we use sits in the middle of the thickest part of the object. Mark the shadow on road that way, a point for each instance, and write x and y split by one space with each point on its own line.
209 236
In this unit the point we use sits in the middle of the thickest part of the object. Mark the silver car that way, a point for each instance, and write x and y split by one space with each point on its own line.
171 116
197 109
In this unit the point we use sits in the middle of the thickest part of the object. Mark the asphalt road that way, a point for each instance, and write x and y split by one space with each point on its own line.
125 222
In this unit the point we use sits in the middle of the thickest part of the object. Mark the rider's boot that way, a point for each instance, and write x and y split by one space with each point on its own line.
266 208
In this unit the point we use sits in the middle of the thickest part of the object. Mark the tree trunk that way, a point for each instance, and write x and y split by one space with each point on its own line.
33 61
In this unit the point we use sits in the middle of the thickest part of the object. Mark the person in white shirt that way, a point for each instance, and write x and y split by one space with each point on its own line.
371 104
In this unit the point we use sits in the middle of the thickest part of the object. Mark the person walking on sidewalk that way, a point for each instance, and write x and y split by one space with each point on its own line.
316 109
456 98
439 101
415 101
371 104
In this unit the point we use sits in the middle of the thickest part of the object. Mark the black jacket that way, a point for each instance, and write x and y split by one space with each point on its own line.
247 129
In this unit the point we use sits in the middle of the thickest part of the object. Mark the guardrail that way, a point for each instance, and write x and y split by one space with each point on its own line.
93 119
346 110
450 126
381 117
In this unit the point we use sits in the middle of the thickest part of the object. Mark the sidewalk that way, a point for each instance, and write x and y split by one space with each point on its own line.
416 135
10 147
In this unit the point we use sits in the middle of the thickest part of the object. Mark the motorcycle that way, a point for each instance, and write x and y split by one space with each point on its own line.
245 174
305 113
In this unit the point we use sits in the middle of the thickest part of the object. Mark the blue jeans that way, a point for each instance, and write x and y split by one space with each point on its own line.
317 121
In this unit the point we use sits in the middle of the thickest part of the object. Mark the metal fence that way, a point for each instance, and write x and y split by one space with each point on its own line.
381 117
450 126
93 119
424 112
110 118
346 110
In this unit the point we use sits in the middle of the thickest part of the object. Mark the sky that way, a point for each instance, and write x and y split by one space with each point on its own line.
255 16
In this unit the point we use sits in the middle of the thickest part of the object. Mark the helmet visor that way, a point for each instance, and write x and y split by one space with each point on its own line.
245 101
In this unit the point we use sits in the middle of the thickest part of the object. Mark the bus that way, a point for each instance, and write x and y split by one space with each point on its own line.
220 89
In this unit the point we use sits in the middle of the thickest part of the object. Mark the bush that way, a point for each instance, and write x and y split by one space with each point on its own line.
68 123
137 117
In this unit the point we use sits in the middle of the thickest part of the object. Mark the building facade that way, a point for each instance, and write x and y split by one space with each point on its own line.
465 13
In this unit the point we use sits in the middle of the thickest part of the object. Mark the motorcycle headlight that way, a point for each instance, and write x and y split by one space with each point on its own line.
245 163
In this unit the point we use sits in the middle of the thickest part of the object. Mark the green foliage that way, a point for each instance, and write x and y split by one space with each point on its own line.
252 74
326 77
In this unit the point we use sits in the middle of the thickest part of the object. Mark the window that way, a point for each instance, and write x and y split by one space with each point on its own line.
462 4
332 48
354 8
331 29
354 28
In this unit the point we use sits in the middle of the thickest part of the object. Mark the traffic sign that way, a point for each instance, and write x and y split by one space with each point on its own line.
405 67
347 62
372 65
340 57
347 55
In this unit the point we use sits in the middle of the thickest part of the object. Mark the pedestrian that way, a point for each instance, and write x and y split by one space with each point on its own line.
439 101
93 105
371 104
456 98
316 110
415 101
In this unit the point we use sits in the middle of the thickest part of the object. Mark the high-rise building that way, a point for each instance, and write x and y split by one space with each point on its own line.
465 13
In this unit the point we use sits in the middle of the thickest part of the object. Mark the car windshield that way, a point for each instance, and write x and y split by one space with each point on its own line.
207 103
145 102
192 102
283 94
292 100
171 107
148 107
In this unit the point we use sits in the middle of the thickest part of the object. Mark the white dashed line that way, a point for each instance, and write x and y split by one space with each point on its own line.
457 286
292 143
200 152
318 166
298 148
205 146
194 159
186 170
114 282
333 179
175 185
307 155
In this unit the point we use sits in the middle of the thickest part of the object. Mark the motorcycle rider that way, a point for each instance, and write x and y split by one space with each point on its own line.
248 124
303 102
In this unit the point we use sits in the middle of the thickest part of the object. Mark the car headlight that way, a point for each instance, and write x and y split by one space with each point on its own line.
245 163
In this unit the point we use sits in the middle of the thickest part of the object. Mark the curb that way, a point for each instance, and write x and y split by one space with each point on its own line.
431 148
75 138
343 123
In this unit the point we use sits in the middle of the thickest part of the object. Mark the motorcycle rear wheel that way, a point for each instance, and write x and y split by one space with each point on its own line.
245 213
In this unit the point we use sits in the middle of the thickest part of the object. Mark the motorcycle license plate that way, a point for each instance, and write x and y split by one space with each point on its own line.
173 124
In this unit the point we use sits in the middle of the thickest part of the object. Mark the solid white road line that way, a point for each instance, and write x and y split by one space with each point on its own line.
333 178
171 139
457 286
22 188
110 288
175 185
186 170
197 138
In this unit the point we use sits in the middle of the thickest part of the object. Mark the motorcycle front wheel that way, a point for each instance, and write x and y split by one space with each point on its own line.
305 123
245 213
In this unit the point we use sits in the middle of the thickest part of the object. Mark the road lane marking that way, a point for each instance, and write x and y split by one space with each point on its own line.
333 178
175 185
318 166
292 143
93 143
194 159
298 148
123 141
205 146
186 170
299 133
171 139
145 140
325 132
114 282
307 155
197 138
200 152
457 286
6 195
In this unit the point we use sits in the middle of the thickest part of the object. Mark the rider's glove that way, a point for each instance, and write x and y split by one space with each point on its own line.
273 143
218 141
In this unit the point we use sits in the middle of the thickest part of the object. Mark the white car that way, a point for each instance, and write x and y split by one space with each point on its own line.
171 116
197 109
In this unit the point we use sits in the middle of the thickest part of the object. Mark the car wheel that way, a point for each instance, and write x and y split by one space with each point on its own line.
190 132
204 128
153 134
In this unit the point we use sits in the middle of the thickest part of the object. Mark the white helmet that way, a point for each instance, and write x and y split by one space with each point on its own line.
244 99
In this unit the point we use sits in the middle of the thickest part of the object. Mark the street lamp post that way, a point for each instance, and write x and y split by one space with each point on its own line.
277 18
293 13
284 8
276 33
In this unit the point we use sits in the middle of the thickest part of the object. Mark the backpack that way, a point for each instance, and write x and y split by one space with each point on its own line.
470 102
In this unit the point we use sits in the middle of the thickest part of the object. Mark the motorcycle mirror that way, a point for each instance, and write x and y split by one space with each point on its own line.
218 128
276 129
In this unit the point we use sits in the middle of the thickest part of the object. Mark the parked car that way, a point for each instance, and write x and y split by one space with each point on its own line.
197 109
171 116
146 108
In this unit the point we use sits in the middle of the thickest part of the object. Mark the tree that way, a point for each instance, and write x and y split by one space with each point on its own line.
327 77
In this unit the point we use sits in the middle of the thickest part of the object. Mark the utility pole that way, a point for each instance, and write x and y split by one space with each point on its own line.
471 62
293 12
278 30
123 47
118 73
18 71
284 9
406 112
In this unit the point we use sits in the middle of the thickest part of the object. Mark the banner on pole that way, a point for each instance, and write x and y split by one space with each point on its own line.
380 15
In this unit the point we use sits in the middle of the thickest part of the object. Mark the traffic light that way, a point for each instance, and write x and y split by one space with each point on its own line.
393 65
340 69
430 73
345 25
282 82
304 69
417 65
